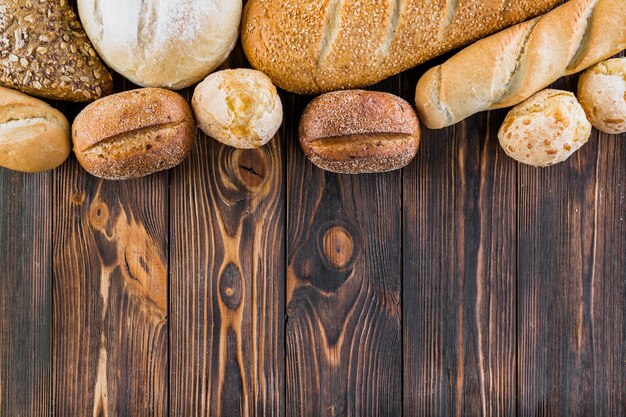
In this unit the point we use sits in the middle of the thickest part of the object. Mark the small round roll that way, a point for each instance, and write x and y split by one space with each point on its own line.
545 129
238 107
602 93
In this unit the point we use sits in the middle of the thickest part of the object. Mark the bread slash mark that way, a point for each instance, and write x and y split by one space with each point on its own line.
330 30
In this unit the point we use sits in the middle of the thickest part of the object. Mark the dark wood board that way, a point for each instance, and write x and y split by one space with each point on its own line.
250 283
25 294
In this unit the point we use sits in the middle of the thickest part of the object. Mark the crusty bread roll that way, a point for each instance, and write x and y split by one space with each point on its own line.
602 93
545 129
359 132
510 66
238 107
34 137
313 46
44 52
153 43
134 133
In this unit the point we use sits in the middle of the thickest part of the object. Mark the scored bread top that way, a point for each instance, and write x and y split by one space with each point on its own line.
313 46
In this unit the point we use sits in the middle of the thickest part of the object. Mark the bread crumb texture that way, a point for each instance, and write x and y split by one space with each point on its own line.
602 94
238 107
45 52
545 129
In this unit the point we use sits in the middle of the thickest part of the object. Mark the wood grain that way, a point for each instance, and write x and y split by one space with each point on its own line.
110 295
459 273
227 281
25 294
572 282
343 346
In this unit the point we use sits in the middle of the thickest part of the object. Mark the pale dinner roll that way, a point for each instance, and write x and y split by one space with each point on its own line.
602 93
171 44
545 129
238 107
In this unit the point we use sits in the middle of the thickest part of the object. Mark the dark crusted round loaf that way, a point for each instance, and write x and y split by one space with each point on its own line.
357 131
134 133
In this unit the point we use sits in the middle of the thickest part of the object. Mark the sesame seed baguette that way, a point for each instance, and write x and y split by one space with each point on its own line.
314 46
506 68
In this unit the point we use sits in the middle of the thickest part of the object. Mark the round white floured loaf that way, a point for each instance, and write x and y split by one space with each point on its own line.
162 43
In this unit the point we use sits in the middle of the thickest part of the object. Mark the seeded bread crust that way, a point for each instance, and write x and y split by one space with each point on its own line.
314 46
44 52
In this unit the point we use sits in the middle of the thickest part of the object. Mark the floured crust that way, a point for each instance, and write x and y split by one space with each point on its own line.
313 46
134 133
359 131
45 52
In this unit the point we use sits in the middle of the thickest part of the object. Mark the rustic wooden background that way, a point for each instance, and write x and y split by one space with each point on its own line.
251 283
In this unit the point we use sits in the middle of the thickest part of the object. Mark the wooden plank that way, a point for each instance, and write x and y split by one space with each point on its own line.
459 272
343 339
227 281
25 294
110 295
572 283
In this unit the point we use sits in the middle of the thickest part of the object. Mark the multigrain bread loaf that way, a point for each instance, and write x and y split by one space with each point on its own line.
157 43
313 46
358 132
34 137
134 133
44 52
510 66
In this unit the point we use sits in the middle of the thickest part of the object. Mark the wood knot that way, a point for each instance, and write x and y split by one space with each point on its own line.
78 198
231 287
338 247
251 167
99 215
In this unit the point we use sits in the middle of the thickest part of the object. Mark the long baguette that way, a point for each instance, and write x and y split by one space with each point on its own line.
313 46
506 68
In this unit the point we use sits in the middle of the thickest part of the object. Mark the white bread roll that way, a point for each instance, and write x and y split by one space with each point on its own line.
162 43
545 129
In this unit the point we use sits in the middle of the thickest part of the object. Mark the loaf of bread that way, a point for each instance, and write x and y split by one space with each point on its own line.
134 133
153 43
359 132
510 66
34 137
313 46
44 52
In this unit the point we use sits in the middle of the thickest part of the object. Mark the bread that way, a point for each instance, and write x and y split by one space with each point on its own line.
356 132
44 52
510 66
238 107
34 137
134 133
602 93
545 129
153 43
314 46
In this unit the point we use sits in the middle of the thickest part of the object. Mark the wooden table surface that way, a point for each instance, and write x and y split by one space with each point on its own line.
249 283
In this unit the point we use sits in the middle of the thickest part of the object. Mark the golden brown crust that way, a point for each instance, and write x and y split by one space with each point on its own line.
45 52
34 137
506 68
313 46
134 133
358 131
